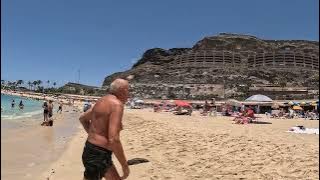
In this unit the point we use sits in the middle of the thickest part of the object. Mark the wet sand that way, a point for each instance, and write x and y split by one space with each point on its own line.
27 149
196 147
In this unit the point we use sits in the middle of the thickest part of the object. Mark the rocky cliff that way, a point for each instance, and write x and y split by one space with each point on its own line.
224 66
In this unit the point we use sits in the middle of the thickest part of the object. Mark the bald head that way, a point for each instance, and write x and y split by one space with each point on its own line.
118 85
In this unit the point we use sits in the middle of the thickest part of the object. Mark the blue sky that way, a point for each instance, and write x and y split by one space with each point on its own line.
52 39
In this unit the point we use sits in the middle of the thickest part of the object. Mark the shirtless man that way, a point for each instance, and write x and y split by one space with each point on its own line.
103 123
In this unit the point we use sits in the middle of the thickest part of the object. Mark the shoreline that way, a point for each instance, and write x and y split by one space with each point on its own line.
34 146
78 99
65 99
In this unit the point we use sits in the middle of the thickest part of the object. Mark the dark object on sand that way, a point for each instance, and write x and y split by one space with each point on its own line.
47 123
301 127
135 161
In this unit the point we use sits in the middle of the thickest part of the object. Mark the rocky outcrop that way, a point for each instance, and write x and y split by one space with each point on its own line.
239 42
75 88
224 66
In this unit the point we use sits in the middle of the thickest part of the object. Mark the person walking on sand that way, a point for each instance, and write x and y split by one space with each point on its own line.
103 123
60 108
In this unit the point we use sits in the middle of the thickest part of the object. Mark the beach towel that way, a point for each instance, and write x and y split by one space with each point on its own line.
302 129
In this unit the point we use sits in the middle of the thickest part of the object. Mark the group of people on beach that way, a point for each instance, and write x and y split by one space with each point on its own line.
48 112
21 105
290 113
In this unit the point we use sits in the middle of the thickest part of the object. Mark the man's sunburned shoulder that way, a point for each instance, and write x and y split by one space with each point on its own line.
112 100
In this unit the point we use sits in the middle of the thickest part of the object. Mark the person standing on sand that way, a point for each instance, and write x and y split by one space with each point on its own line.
50 109
87 105
60 108
45 111
103 123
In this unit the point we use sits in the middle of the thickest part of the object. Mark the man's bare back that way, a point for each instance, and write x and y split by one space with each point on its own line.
103 123
99 125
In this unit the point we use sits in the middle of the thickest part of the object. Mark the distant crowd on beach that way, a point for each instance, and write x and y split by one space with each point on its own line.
210 108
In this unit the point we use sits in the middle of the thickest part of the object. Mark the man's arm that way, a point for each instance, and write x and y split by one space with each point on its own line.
85 119
114 133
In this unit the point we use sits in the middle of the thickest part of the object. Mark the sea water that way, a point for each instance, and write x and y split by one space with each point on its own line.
31 107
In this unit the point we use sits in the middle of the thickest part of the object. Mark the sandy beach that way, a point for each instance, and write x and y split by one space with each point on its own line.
196 147
28 149
178 147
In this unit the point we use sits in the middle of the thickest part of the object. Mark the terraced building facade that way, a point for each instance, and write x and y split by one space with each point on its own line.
226 59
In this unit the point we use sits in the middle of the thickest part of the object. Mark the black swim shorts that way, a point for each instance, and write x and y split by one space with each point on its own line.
96 161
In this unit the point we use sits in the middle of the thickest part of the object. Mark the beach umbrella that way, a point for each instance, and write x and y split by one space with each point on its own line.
182 103
259 98
297 108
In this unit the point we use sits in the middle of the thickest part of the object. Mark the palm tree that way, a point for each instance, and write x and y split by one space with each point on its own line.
3 84
30 84
14 85
20 82
8 84
48 82
54 84
35 83
39 82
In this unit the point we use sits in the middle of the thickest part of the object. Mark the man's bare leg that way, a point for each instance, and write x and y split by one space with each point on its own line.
112 174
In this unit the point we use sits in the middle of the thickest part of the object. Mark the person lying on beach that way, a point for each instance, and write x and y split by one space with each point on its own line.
183 111
156 108
103 123
47 123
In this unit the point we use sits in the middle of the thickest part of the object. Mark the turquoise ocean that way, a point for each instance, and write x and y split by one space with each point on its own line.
31 107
